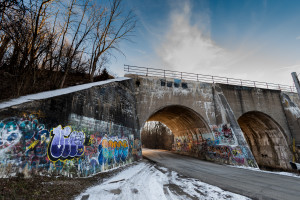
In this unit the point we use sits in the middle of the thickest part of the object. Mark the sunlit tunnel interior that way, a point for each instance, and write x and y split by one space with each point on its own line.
169 122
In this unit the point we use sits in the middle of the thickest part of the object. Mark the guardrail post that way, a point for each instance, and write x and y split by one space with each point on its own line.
279 87
254 84
164 73
147 72
241 82
181 75
197 78
227 80
128 68
267 86
212 77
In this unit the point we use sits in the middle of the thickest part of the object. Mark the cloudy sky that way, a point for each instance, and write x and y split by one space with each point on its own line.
247 39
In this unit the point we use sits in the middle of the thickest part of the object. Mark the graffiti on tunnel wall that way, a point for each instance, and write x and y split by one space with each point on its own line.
65 144
219 146
28 145
224 135
28 126
112 150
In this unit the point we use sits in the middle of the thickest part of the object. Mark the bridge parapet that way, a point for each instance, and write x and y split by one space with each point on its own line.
145 71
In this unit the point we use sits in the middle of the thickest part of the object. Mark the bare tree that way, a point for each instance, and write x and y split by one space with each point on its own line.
42 38
112 27
9 6
82 29
38 21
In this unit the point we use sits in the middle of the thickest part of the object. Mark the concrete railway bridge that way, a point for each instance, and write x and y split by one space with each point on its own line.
220 122
223 120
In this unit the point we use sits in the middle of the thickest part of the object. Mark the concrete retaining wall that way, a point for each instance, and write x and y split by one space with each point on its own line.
74 134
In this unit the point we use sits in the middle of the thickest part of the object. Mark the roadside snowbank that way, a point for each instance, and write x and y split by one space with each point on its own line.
147 181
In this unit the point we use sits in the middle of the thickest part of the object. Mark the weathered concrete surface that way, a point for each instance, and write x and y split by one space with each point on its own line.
291 104
199 116
246 99
75 134
227 115
220 122
151 97
263 120
266 140
253 184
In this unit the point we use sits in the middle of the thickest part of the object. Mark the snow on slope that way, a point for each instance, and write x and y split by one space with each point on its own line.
146 181
53 93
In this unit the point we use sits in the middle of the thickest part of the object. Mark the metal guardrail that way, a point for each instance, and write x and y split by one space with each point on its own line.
144 71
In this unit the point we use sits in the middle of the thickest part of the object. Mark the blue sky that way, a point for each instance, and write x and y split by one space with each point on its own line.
248 39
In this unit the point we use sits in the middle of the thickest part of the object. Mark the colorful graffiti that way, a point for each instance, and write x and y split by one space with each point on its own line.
23 145
237 155
137 149
12 129
10 133
224 135
218 146
65 144
112 150
219 153
27 146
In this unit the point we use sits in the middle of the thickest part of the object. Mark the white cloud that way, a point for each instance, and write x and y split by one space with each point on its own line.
188 47
185 47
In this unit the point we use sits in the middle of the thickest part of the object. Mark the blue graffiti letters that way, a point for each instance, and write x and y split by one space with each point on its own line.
65 144
112 150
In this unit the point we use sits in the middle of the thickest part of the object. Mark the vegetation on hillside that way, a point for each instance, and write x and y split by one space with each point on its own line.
50 44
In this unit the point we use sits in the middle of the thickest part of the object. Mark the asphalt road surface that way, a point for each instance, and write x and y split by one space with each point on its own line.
253 184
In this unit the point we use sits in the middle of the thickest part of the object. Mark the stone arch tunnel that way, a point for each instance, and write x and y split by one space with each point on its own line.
266 139
186 126
181 120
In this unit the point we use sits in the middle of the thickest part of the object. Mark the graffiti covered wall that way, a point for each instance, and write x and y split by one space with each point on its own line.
219 146
64 136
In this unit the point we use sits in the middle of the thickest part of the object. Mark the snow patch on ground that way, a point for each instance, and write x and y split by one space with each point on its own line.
259 170
53 93
147 181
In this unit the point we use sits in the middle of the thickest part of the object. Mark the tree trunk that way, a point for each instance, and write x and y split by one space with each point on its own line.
64 78
3 47
94 65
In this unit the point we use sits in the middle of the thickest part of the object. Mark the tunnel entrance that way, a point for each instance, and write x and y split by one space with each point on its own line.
186 127
266 140
156 135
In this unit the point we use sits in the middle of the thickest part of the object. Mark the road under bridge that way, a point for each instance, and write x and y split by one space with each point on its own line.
250 183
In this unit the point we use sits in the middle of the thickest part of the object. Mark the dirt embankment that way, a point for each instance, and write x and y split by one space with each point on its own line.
42 187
